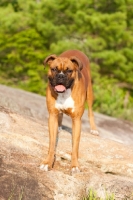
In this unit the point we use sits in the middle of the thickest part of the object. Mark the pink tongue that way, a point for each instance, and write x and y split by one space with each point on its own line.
60 88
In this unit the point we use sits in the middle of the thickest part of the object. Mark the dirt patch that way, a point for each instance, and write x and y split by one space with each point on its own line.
104 163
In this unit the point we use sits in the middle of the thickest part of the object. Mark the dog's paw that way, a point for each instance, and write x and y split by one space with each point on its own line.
75 170
44 167
59 128
94 132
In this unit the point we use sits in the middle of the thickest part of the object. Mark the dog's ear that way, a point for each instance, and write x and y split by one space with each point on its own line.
77 62
48 60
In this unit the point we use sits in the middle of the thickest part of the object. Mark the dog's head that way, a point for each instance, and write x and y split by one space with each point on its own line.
62 71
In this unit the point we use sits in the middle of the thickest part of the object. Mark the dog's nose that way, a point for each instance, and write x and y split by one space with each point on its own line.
61 75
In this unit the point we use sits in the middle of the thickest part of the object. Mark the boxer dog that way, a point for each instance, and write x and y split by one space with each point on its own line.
68 88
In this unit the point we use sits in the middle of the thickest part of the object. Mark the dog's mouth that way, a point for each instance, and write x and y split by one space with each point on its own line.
60 88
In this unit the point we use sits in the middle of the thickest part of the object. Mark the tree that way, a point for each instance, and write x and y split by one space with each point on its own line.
102 29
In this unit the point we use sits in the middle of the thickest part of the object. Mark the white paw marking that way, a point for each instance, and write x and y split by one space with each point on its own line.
59 128
94 132
44 167
75 170
65 101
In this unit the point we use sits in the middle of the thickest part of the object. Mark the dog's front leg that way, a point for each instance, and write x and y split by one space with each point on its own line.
76 130
53 128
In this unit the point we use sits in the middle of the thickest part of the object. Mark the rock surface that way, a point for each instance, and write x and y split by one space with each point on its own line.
106 162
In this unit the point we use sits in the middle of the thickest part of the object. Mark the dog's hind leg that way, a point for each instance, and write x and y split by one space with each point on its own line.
93 129
60 117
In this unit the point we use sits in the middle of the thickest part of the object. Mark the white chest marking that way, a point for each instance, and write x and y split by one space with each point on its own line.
64 101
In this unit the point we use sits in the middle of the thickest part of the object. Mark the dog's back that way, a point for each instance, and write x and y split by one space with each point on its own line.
80 55
85 61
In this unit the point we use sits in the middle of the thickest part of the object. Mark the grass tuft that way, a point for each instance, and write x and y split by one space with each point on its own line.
93 196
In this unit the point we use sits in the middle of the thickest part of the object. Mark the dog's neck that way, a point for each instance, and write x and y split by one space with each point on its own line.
64 101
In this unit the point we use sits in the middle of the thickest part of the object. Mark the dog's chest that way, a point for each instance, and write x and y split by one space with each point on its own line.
64 101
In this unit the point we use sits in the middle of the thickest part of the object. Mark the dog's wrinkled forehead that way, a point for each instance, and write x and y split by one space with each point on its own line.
62 64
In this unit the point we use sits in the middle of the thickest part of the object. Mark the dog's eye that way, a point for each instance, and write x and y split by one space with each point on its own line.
54 69
69 71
